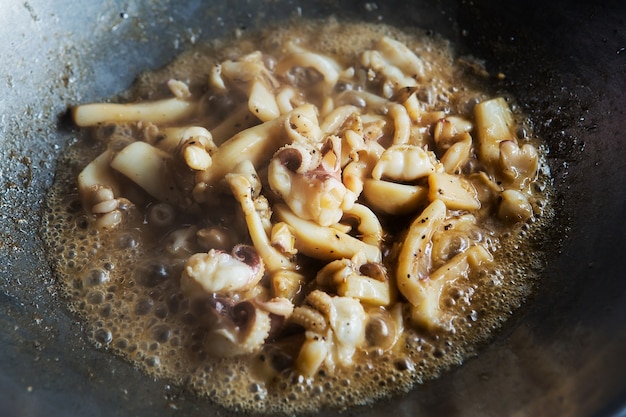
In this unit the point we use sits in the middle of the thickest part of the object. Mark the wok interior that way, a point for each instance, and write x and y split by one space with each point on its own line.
561 354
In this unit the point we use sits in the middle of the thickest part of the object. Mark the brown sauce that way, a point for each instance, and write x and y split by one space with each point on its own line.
126 287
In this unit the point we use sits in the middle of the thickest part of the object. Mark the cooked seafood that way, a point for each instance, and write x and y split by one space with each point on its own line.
325 204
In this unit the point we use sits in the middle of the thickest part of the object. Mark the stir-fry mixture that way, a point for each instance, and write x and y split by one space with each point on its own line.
316 204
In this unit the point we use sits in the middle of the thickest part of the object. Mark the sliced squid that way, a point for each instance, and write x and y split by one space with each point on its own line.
220 272
458 154
394 198
335 329
396 63
165 111
256 144
294 197
367 282
414 258
96 175
456 192
494 124
241 332
514 206
404 163
299 57
324 243
448 130
426 302
147 166
273 259
309 182
250 75
518 164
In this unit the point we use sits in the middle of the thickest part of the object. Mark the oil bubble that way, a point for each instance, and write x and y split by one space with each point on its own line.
95 297
95 277
103 336
161 333
151 273
153 361
127 241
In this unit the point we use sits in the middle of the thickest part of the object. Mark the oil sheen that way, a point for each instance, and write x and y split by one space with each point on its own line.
126 289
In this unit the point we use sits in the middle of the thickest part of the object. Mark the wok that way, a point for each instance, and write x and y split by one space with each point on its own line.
563 353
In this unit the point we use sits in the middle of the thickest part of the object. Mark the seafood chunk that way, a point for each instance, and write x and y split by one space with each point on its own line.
219 272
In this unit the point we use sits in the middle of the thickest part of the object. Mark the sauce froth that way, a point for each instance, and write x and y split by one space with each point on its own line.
125 281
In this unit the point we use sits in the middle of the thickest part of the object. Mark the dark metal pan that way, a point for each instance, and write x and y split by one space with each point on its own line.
563 353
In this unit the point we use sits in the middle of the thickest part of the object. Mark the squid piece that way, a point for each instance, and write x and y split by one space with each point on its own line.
487 190
367 282
335 120
426 311
245 69
256 144
179 89
423 119
250 75
262 102
272 258
404 163
356 172
96 175
287 283
518 164
448 131
218 272
168 139
368 225
216 81
325 243
334 330
311 186
148 167
242 330
285 99
98 188
456 192
457 154
302 130
494 124
411 104
216 237
312 354
394 198
347 320
396 63
181 243
282 237
458 235
298 57
161 112
351 144
401 124
196 147
279 306
246 169
514 207
414 257
364 100
398 54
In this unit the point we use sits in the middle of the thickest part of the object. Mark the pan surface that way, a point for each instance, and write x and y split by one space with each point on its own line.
563 353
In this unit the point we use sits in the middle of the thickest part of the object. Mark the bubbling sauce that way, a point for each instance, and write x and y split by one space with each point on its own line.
126 286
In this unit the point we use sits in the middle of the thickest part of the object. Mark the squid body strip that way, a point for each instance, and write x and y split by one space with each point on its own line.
163 112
